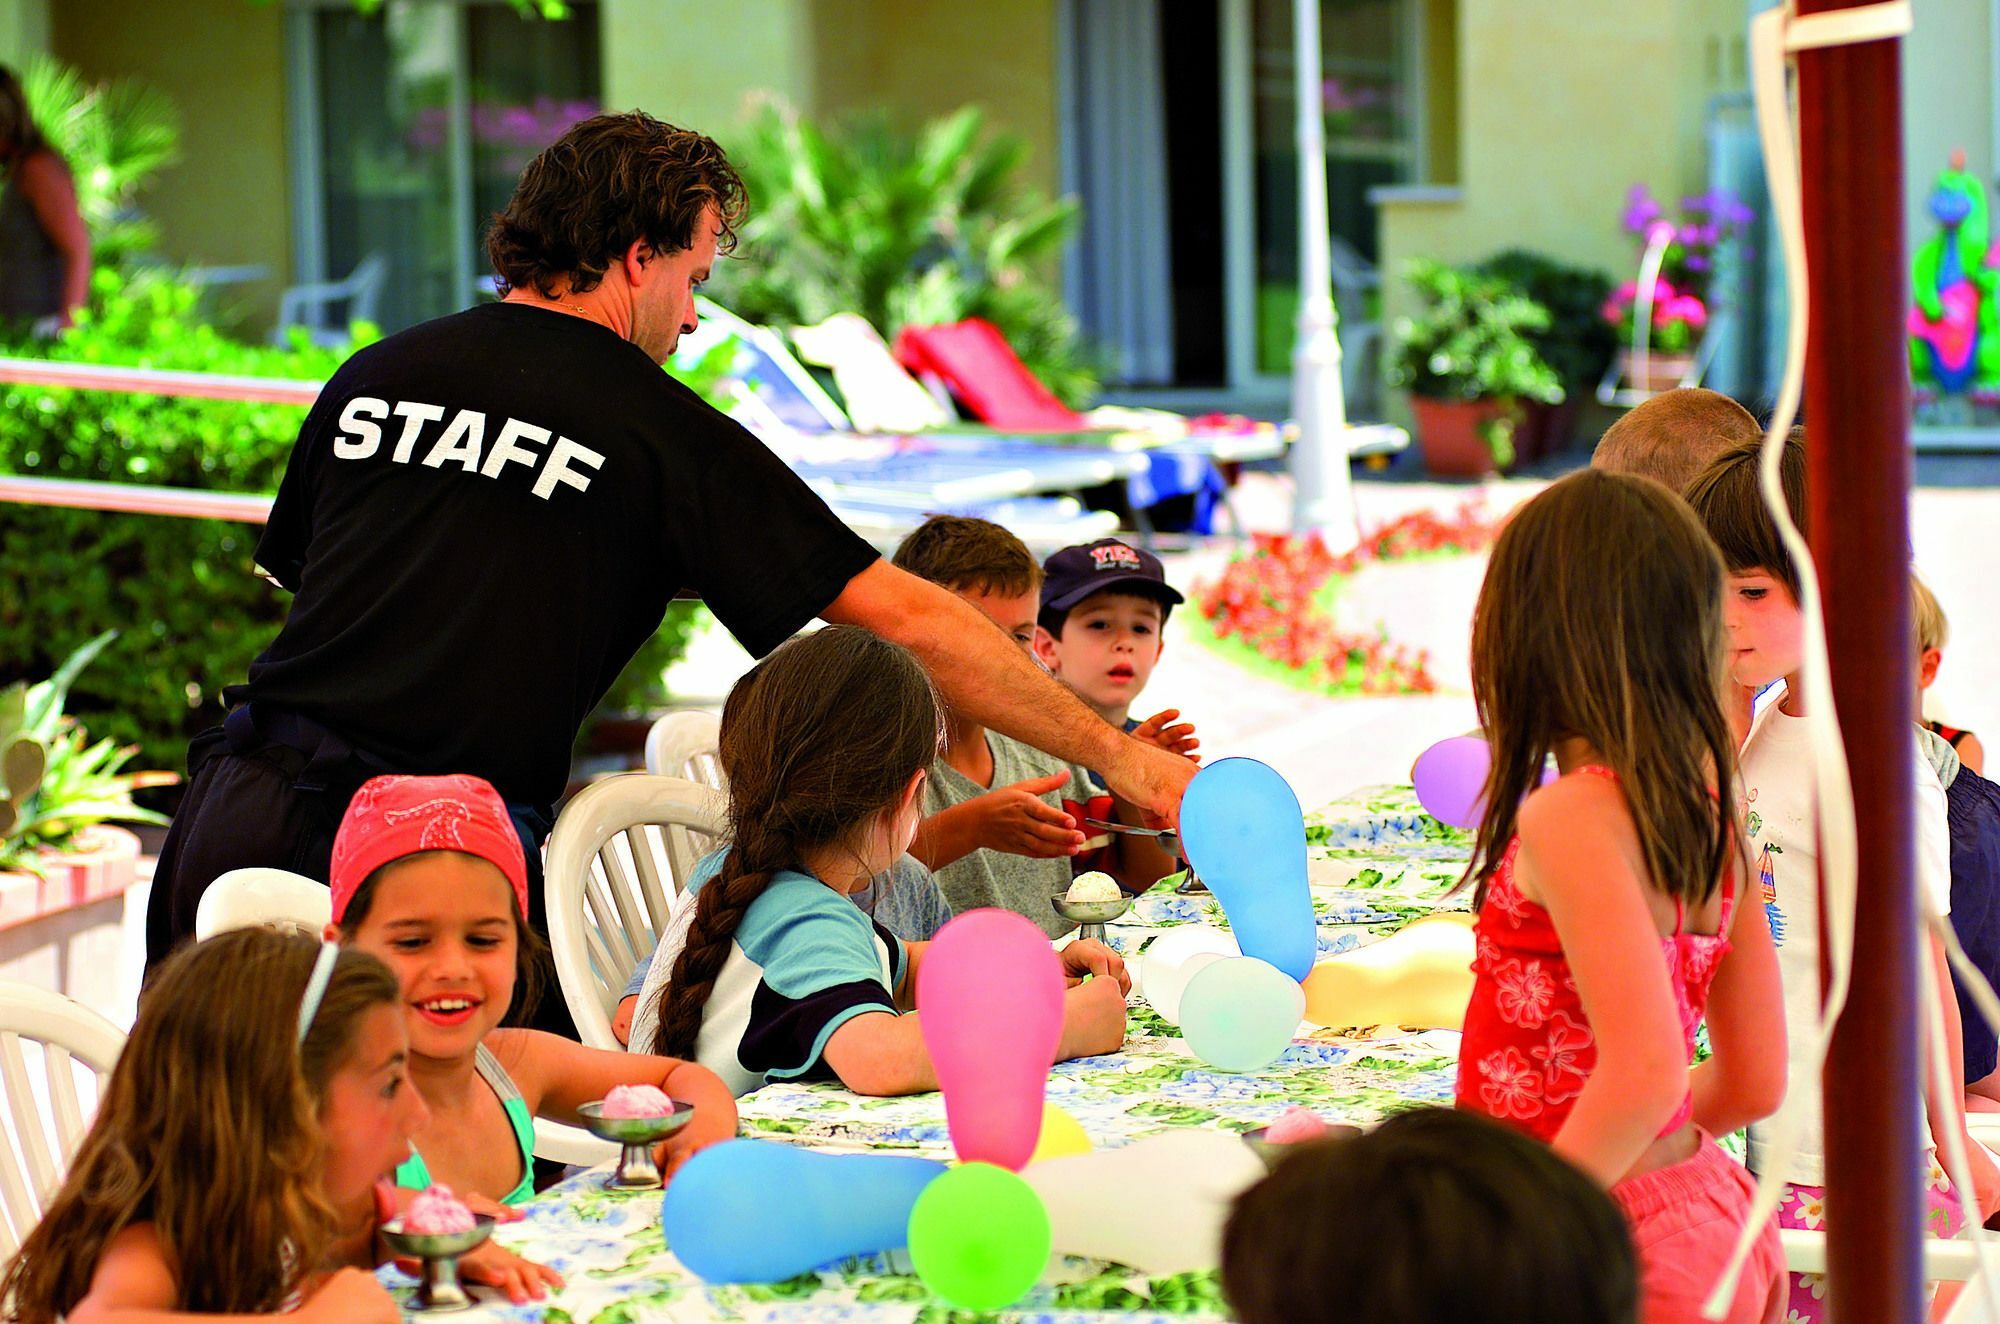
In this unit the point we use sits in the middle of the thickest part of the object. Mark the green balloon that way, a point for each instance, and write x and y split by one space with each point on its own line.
979 1237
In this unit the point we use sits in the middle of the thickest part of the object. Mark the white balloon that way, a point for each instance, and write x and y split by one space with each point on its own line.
1173 959
1157 1205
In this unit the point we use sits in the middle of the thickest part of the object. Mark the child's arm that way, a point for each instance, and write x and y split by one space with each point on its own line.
878 1053
1580 853
1743 1080
1949 1111
1972 754
557 1075
134 1284
1012 819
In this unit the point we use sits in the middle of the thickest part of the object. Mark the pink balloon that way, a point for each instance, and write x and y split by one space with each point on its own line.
990 1003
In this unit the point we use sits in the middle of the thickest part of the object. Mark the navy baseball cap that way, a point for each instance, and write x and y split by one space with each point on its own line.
1074 573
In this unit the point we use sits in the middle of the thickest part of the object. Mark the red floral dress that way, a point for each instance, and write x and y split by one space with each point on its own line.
1528 1047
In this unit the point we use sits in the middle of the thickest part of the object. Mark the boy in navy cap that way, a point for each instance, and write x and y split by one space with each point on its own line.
1101 630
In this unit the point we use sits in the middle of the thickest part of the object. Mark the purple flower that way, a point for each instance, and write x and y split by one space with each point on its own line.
1640 209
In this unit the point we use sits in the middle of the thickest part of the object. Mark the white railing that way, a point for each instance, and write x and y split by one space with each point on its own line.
248 507
158 381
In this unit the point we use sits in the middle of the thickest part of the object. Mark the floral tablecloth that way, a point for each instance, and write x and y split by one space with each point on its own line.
1375 863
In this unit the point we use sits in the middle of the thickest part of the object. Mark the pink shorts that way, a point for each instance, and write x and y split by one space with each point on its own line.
1685 1219
1805 1207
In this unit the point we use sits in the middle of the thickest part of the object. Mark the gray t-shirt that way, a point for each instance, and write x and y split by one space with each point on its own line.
993 878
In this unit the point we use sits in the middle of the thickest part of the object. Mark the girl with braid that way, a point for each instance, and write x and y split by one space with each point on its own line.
768 972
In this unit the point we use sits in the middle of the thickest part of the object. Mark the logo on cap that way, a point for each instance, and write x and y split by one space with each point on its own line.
1116 556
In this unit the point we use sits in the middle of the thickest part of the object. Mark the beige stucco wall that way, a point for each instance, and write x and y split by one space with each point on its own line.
1948 91
221 62
24 29
1550 133
678 60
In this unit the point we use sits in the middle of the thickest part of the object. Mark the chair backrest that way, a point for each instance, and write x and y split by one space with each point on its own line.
312 305
684 744
609 897
244 897
45 1116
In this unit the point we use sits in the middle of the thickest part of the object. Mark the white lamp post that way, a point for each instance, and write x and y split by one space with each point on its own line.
1324 488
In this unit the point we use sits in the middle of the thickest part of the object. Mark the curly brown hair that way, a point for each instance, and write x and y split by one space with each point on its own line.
821 736
610 181
209 1129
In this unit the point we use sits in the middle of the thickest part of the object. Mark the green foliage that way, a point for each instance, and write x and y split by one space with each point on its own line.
57 781
1472 340
904 230
1578 343
114 135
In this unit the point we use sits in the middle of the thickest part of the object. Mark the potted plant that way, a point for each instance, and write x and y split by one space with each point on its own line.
1577 343
1468 365
1662 355
62 790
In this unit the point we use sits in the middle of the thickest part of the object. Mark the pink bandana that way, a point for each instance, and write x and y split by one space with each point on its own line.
391 817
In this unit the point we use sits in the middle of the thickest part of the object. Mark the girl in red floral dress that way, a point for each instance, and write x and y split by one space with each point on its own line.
1610 922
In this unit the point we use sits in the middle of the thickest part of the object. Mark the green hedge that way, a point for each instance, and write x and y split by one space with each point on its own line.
190 612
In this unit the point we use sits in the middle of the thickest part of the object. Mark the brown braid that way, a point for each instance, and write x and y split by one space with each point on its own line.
817 741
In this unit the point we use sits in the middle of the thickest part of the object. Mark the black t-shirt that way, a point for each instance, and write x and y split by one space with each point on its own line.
485 516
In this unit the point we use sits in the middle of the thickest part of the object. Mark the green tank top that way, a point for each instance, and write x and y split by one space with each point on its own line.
413 1175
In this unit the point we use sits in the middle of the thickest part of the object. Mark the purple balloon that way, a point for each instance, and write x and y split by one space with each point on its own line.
1449 777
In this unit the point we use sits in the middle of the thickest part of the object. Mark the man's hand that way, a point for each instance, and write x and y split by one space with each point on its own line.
1017 821
1151 779
1159 730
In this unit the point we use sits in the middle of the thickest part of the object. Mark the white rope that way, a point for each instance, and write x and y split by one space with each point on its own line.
1773 35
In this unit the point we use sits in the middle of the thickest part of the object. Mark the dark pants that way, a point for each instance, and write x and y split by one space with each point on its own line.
248 809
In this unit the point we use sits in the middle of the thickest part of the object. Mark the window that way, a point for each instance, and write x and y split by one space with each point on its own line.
409 127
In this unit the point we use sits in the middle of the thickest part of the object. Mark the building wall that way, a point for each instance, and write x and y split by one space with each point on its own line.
1550 136
1948 102
24 30
221 63
677 60
924 58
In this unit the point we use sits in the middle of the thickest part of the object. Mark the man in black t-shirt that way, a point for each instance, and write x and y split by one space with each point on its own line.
485 516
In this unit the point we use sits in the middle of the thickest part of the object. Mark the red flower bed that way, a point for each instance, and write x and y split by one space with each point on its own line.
1270 599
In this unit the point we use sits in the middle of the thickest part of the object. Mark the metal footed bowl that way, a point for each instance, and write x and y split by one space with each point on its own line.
1271 1152
440 1290
636 1170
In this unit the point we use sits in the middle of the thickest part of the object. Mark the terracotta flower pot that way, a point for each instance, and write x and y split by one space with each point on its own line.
105 863
1452 434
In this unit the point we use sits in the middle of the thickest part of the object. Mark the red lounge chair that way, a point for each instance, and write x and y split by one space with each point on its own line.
982 370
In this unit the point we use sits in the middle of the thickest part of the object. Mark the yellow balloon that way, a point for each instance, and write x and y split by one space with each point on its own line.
1420 975
1061 1136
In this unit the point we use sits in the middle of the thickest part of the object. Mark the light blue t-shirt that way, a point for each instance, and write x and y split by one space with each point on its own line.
803 963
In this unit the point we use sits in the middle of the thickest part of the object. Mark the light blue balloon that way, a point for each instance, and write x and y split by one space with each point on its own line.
1240 1013
751 1211
1246 838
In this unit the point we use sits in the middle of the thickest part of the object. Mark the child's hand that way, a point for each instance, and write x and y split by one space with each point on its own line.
1090 957
1015 820
350 1295
493 1265
714 1115
1158 730
621 1022
1093 1019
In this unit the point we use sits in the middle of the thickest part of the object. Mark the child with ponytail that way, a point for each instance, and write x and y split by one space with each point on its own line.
233 1162
770 973
1613 903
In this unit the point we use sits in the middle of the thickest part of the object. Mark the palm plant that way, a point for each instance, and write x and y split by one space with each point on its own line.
114 135
904 230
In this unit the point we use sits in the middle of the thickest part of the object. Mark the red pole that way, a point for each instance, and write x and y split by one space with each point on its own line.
1858 412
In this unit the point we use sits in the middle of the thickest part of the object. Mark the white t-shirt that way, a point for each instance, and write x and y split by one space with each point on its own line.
1783 828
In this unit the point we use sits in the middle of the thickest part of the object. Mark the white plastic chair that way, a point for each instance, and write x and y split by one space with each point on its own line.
45 1119
685 744
609 896
312 305
245 897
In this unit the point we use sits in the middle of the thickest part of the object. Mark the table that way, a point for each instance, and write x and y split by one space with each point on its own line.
1376 862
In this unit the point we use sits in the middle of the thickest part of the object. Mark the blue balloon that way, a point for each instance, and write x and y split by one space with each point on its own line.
751 1211
1245 836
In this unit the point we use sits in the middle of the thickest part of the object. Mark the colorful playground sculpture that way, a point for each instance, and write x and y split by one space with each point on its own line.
1955 325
